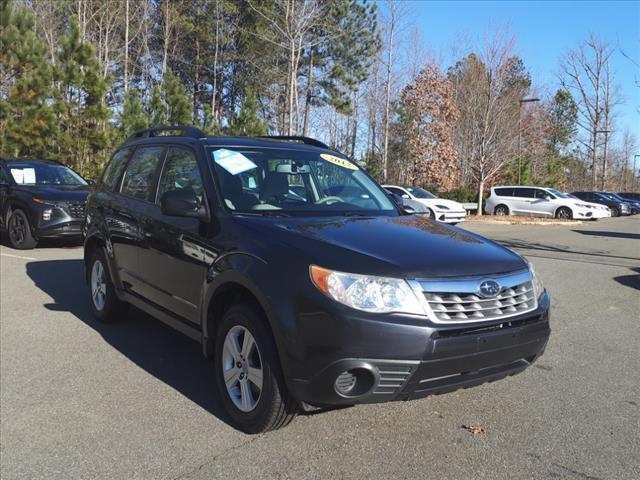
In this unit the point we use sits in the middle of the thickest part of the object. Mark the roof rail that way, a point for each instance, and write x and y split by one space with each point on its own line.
187 131
294 138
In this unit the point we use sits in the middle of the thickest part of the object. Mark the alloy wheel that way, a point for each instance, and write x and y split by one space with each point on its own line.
242 368
98 285
17 228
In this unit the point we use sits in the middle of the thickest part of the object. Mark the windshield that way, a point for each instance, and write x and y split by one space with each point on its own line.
559 194
420 192
294 182
615 196
35 173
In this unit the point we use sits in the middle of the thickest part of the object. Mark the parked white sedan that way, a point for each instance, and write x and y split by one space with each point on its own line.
599 211
536 201
440 209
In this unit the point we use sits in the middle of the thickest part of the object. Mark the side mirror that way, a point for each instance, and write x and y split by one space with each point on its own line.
182 203
404 195
409 210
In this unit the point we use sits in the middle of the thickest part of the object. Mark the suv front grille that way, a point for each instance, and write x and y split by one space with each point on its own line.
452 306
460 301
75 210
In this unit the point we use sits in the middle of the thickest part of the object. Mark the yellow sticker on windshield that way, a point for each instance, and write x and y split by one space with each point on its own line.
341 162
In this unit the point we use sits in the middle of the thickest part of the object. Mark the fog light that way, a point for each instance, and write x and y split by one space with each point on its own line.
46 215
355 382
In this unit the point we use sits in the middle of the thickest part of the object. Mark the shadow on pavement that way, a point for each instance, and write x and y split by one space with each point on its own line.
632 281
158 349
596 233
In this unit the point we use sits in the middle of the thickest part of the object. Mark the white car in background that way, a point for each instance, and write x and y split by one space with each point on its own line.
440 209
536 201
599 211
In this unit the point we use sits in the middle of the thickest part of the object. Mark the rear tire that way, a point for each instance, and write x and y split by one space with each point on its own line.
501 210
254 393
105 304
19 230
564 213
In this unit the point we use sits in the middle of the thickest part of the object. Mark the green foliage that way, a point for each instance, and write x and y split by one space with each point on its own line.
462 194
157 109
563 118
177 103
27 123
247 121
133 116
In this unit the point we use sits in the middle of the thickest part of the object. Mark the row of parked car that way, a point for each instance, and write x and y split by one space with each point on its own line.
549 202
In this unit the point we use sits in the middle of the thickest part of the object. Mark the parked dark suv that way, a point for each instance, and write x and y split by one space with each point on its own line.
618 207
302 280
40 199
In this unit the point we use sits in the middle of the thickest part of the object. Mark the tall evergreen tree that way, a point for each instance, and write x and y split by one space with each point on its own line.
133 116
81 113
176 100
247 121
27 122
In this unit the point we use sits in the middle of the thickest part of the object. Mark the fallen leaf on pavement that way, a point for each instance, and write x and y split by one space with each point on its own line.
475 429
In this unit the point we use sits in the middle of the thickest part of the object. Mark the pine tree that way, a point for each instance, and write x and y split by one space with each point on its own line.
81 112
133 116
247 121
157 108
27 122
176 100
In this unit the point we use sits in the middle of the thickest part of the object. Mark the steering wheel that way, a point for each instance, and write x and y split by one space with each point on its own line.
329 200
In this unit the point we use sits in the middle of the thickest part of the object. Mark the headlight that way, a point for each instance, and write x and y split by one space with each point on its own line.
46 215
538 287
442 207
367 293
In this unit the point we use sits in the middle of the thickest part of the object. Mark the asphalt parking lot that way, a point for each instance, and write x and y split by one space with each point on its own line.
135 399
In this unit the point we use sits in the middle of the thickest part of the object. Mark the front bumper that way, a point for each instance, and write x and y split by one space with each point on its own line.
585 214
448 216
403 362
60 222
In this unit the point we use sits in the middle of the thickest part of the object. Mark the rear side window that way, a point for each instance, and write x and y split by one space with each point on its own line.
114 168
504 192
140 174
180 172
523 192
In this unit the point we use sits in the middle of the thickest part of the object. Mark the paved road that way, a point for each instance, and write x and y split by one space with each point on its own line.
135 400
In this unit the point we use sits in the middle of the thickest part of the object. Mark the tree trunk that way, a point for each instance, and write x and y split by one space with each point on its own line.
307 103
165 49
126 46
480 193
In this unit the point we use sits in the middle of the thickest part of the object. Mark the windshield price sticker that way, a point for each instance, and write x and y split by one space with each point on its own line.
233 162
341 162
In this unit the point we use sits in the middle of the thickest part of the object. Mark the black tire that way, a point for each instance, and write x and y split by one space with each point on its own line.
564 213
430 215
275 407
501 210
19 231
113 309
614 212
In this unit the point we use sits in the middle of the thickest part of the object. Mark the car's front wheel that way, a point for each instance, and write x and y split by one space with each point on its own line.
19 230
564 213
248 375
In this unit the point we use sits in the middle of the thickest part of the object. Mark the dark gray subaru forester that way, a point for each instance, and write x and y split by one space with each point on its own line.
303 281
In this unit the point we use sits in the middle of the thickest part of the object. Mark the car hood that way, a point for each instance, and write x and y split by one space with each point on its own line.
72 193
432 202
406 246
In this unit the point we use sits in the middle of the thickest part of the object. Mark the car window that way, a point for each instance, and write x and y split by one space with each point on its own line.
523 192
140 173
180 172
504 192
43 173
551 194
395 190
113 170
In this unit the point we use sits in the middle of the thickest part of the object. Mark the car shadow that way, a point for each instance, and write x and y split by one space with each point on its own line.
156 348
632 280
596 233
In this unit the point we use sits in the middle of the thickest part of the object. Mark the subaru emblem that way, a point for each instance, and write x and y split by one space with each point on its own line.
489 289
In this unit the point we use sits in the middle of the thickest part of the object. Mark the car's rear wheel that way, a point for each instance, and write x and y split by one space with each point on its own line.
501 210
19 230
106 305
248 374
564 213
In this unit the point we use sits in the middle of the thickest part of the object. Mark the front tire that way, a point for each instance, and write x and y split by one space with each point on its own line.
250 383
564 213
614 212
105 304
19 230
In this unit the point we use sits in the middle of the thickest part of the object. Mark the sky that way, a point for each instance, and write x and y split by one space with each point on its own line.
544 31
